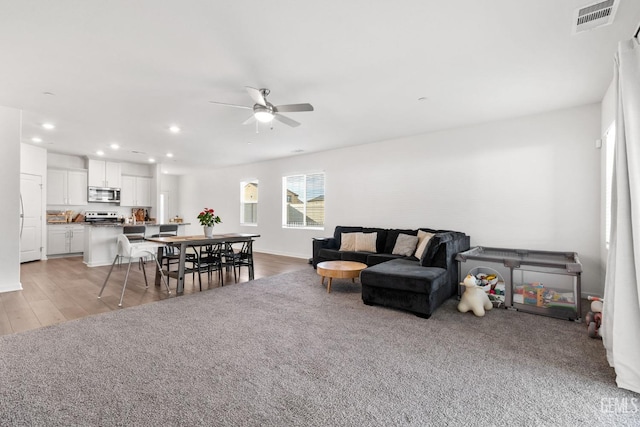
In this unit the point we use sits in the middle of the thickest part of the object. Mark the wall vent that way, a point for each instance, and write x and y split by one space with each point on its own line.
594 15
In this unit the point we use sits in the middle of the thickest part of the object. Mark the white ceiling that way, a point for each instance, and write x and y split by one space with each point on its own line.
124 71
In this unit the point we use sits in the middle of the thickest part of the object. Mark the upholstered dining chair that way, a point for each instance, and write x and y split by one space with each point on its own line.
131 251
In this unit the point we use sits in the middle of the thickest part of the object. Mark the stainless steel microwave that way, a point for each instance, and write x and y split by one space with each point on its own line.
104 195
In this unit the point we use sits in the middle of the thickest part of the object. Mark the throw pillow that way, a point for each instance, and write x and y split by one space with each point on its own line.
405 245
366 242
348 242
423 240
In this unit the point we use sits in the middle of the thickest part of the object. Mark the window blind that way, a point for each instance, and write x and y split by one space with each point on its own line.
249 202
304 200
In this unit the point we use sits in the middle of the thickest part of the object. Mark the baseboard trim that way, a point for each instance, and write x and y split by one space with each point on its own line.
283 254
17 287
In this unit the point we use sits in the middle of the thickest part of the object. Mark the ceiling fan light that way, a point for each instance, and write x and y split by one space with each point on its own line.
263 116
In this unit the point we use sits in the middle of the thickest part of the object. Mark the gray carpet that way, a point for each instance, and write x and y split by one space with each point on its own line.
280 351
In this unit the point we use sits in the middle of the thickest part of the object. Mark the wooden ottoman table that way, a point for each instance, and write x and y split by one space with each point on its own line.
339 270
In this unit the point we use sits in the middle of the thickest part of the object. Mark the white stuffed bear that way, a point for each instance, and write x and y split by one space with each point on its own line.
474 298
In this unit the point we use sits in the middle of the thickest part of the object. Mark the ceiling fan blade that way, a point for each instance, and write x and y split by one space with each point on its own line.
256 95
292 108
251 119
286 120
231 105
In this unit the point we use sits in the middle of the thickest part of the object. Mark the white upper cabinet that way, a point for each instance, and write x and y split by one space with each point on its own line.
104 174
77 187
128 191
56 187
135 191
143 191
66 187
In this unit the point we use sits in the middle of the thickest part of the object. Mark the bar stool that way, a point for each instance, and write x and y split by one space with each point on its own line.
134 232
169 253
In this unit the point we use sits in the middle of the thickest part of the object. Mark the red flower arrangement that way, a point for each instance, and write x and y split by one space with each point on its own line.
208 218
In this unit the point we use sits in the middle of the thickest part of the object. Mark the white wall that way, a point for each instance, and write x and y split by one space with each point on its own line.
170 184
33 160
528 183
10 125
65 161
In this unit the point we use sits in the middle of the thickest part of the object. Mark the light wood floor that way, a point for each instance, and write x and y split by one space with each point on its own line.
63 289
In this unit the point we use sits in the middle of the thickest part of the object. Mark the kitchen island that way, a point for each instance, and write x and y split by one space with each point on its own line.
100 240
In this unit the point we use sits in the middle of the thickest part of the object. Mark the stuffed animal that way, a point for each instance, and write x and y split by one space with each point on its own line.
594 317
474 298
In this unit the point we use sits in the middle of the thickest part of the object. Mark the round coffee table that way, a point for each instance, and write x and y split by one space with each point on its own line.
339 270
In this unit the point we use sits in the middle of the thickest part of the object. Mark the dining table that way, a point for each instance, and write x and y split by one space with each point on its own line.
183 242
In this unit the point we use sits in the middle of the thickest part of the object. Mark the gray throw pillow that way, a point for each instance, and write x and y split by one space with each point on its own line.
405 245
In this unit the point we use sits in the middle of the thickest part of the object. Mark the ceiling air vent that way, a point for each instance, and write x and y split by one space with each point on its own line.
594 15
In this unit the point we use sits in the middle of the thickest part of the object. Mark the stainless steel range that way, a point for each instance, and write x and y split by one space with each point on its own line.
102 217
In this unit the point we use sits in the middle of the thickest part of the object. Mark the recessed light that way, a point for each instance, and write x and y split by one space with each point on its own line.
36 139
152 160
165 172
169 154
114 146
174 129
100 153
48 93
48 126
422 98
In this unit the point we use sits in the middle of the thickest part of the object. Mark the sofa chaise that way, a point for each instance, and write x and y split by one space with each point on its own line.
394 277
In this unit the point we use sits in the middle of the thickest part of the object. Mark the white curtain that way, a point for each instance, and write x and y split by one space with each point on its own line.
621 313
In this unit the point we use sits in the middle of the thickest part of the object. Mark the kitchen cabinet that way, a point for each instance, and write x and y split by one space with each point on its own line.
66 187
65 239
104 174
135 191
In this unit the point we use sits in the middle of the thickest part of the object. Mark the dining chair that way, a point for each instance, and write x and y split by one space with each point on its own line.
209 259
131 251
244 258
228 260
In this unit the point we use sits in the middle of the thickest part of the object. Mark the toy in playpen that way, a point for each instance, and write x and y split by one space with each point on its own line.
594 317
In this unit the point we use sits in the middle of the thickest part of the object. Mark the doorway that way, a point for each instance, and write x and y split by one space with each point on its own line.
30 217
163 209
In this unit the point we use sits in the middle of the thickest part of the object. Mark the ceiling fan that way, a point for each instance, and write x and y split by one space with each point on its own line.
265 112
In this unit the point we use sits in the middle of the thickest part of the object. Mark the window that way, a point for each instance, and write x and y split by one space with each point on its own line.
249 202
304 201
610 143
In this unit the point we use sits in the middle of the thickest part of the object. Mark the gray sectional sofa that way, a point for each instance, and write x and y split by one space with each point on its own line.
401 281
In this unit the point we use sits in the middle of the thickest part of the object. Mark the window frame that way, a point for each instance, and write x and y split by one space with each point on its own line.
286 200
244 202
